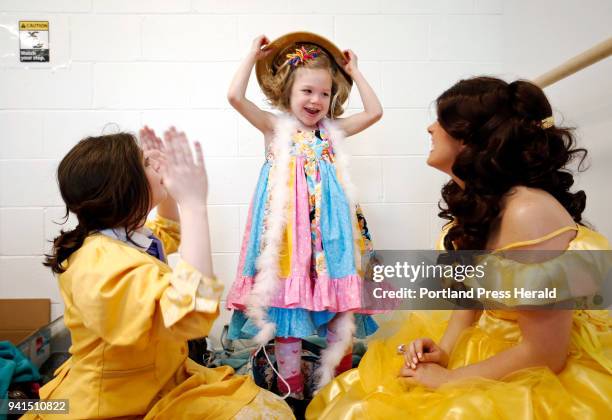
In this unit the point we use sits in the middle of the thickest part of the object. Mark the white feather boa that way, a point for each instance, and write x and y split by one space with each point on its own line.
267 278
333 354
345 322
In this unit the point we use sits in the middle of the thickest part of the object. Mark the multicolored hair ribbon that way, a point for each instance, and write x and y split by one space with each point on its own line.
302 55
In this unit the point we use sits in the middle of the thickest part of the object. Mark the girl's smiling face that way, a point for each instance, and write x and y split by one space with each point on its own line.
310 95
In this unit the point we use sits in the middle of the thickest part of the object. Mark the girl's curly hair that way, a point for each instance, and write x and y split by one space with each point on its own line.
277 86
505 146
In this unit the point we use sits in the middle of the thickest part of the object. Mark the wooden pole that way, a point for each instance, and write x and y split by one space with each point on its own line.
571 66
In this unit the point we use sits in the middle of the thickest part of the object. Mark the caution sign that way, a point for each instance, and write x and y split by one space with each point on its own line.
34 41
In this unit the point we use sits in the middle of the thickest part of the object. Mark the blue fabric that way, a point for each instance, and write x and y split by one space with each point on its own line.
257 221
156 248
296 322
364 324
336 230
25 370
14 367
7 368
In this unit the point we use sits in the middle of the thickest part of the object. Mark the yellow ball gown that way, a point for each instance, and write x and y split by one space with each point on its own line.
582 390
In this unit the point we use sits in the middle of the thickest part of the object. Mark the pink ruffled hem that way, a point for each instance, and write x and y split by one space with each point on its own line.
334 295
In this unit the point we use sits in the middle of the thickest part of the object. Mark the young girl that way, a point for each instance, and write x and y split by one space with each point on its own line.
300 258
129 314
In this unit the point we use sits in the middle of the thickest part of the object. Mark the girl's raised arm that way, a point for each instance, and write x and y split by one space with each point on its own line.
262 120
372 109
153 149
187 182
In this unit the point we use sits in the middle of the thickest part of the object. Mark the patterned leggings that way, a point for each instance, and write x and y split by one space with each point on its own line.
288 352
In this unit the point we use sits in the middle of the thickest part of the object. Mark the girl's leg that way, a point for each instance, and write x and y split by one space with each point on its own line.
332 337
288 352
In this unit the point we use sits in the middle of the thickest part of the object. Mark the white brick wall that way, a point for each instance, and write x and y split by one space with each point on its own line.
141 6
17 240
63 129
190 38
215 129
63 6
121 40
161 62
24 143
64 88
389 37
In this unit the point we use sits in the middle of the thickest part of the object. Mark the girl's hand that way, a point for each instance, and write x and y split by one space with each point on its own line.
351 62
430 375
185 180
150 141
259 48
424 350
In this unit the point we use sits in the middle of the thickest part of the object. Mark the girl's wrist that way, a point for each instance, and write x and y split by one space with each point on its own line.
194 208
356 73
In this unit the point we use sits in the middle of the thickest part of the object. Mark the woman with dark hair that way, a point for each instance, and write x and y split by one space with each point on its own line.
509 190
129 314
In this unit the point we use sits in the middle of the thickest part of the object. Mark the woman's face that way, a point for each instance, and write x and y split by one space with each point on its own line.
444 149
152 165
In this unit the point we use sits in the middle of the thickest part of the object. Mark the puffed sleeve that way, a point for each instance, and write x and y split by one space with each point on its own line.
120 291
168 231
571 275
189 291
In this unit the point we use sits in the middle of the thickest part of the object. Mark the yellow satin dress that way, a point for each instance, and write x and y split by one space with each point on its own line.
583 390
130 316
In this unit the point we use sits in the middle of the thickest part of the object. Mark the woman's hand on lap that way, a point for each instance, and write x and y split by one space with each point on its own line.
430 375
424 350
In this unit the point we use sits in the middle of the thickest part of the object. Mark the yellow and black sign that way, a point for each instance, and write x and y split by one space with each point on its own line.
34 41
29 25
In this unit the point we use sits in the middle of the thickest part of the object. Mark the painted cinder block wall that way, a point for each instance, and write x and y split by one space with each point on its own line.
120 64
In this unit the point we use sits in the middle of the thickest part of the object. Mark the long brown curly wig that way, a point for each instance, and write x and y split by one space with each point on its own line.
505 146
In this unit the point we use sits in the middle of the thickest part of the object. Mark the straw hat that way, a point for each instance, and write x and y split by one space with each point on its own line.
269 64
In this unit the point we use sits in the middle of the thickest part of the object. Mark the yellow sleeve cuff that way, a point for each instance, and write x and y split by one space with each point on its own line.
162 223
168 223
189 291
168 231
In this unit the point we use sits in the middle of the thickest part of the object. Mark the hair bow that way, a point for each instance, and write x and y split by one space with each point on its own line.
302 55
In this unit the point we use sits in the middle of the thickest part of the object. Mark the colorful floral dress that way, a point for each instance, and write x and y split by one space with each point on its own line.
319 268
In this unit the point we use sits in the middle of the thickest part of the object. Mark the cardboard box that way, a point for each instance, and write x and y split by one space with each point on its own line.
24 322
21 317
